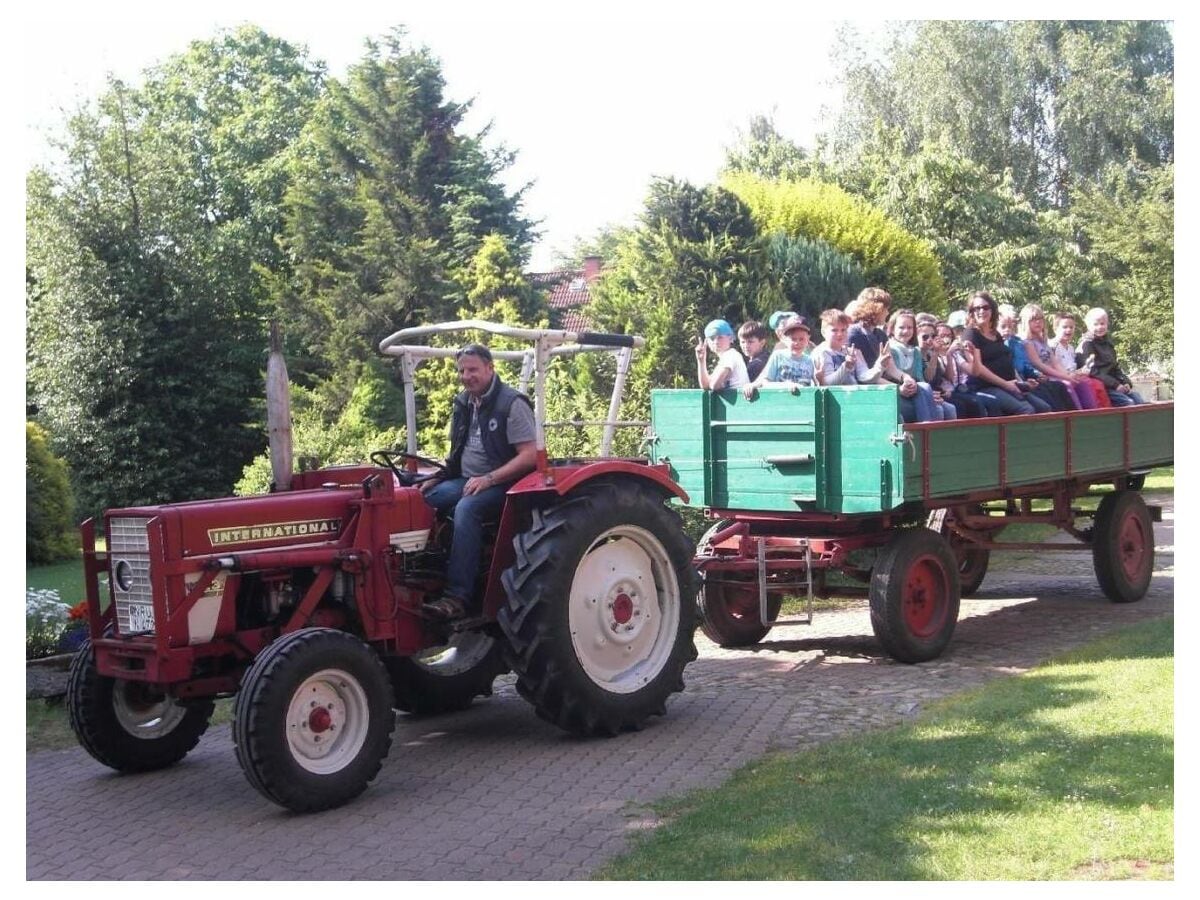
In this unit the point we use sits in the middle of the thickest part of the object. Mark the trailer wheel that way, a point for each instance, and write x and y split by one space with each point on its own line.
313 719
130 726
729 613
448 677
600 611
972 569
1123 546
914 595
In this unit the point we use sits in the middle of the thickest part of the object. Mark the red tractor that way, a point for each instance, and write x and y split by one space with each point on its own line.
306 603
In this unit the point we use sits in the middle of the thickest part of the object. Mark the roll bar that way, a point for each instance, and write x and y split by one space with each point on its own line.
546 343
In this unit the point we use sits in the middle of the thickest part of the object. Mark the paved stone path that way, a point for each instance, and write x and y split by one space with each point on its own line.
495 793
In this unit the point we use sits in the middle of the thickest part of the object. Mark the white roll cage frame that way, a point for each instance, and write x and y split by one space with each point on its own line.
547 343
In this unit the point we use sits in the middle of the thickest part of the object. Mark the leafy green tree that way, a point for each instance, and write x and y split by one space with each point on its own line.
389 199
1131 226
984 233
761 150
49 504
1054 102
143 300
889 254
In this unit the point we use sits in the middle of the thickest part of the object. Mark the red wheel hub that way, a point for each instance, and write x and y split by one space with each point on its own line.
1132 543
319 720
622 608
926 597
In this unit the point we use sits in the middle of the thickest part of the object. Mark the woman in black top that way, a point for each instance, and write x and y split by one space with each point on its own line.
994 375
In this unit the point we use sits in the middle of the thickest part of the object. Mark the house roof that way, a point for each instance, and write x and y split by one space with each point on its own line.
567 288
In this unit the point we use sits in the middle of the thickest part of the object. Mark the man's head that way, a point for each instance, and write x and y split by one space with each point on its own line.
475 368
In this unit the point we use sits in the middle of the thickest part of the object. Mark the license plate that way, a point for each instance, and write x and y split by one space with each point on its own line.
141 618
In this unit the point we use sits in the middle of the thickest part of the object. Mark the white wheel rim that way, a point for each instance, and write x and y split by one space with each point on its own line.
624 609
327 721
143 713
464 652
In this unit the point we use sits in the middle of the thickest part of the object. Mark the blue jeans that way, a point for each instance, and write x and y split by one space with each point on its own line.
471 513
920 406
1120 399
1005 403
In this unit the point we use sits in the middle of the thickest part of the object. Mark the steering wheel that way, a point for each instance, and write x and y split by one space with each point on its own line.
388 460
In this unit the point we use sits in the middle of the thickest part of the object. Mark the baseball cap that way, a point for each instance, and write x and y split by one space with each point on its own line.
796 322
718 328
957 319
777 317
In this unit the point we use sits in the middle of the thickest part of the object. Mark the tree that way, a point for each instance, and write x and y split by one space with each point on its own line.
1131 227
1054 102
888 254
761 150
49 505
144 304
983 232
389 198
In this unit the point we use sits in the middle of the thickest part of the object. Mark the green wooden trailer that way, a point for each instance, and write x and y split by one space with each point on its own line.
804 481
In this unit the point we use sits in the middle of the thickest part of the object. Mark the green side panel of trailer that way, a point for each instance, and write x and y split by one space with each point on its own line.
818 449
843 451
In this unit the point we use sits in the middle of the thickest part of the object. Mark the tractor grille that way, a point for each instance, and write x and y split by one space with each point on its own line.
129 550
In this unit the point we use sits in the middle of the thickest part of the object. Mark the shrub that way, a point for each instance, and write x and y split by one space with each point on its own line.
889 255
49 503
811 275
46 616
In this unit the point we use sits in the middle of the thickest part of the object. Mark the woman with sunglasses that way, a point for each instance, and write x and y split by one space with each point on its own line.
994 376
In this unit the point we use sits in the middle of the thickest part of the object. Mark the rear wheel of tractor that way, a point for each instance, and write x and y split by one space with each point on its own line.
601 611
313 719
128 725
914 595
1123 546
449 677
730 615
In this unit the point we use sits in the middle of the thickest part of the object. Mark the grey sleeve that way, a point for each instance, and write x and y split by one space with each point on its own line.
521 425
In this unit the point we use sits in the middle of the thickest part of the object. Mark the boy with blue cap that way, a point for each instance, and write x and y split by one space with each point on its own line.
731 368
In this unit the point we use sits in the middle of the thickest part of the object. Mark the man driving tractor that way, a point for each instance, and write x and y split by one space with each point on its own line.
492 444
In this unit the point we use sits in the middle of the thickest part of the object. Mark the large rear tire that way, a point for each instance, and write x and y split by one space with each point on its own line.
601 611
130 726
447 678
1123 546
730 615
914 595
313 719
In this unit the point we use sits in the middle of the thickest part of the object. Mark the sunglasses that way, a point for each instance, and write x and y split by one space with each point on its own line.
978 308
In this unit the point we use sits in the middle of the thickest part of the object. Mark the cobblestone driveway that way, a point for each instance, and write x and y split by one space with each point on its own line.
495 793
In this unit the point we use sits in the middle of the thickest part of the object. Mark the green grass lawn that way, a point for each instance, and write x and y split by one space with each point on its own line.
1062 773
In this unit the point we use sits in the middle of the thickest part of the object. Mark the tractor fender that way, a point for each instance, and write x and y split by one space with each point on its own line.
563 479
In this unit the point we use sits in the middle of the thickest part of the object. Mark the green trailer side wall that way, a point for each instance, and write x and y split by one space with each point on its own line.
731 453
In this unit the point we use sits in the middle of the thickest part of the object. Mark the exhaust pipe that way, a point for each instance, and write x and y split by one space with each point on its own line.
279 414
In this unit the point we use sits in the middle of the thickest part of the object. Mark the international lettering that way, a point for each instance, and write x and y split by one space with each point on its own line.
245 534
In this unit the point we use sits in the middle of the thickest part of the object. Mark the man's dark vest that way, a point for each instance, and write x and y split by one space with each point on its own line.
493 426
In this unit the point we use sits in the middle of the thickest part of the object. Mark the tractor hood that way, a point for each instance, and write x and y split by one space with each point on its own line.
248 523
